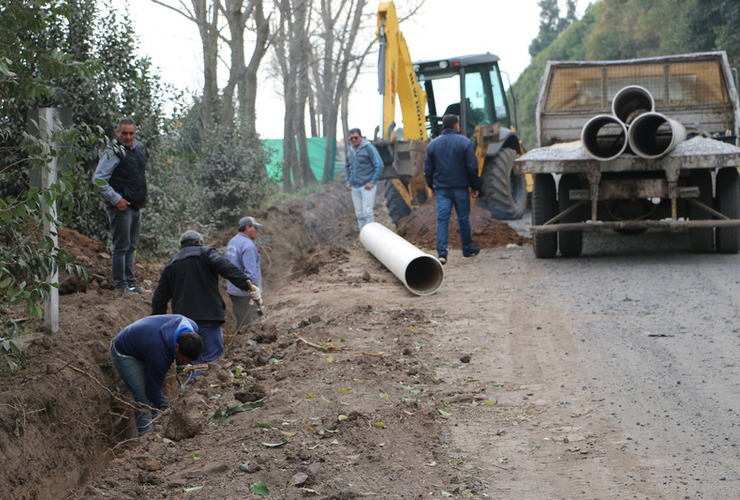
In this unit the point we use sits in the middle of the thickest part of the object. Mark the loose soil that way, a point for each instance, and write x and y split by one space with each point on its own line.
348 387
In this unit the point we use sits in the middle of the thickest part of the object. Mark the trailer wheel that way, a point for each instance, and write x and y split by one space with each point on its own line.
503 193
394 202
571 242
728 203
701 240
544 208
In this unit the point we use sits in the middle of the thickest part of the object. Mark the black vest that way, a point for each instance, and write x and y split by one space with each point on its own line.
129 176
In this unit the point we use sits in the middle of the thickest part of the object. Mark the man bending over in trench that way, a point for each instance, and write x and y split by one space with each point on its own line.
143 353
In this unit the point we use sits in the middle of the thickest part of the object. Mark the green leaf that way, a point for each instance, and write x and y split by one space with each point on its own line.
260 488
263 425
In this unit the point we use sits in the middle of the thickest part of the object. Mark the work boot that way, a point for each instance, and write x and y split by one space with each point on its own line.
127 291
138 289
475 251
442 259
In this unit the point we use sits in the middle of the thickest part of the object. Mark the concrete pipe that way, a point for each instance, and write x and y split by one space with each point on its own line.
653 135
421 273
604 137
632 101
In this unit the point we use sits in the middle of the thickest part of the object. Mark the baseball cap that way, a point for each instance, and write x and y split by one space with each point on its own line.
249 221
189 236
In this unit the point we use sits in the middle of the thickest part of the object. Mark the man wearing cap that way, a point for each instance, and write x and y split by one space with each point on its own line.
143 353
242 252
190 280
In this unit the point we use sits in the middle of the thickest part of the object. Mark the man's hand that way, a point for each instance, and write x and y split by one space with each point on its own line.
122 204
256 294
474 193
349 187
369 186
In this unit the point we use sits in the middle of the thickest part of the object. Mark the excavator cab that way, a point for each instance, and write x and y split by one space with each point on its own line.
474 80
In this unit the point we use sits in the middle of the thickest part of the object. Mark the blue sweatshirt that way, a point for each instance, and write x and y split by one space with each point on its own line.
363 164
152 341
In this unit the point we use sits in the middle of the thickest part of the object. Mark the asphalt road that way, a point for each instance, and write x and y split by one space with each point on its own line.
660 328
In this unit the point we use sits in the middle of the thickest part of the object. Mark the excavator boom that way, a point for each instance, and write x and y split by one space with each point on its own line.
396 77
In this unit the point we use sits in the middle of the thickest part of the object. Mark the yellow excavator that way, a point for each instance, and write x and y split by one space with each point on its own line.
468 86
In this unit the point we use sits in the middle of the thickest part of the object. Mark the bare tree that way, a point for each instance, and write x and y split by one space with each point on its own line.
206 14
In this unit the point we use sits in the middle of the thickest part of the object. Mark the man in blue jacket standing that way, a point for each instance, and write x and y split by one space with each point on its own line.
451 171
362 170
143 353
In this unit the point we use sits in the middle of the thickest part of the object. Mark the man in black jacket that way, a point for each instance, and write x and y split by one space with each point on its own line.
190 280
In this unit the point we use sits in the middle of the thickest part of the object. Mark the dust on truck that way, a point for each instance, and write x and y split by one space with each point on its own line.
634 145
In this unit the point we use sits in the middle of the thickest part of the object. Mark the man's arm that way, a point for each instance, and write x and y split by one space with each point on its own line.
107 164
429 169
378 164
225 268
471 166
162 294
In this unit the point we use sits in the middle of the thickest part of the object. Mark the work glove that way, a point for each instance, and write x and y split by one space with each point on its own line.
256 295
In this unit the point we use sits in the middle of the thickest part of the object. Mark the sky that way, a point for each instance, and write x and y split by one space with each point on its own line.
441 28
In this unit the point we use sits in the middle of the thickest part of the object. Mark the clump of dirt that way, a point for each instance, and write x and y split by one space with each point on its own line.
420 228
318 258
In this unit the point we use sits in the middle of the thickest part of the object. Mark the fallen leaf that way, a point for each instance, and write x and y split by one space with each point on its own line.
260 488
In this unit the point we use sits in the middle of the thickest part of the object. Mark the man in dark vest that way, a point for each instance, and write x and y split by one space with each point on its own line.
121 180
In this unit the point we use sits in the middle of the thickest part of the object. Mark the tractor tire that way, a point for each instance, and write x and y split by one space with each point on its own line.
701 239
571 242
728 204
503 193
544 208
394 202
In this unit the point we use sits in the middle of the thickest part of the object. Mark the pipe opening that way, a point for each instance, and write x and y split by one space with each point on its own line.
424 275
632 101
653 135
604 137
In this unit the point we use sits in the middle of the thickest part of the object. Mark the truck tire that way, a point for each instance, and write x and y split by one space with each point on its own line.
571 242
701 240
503 193
394 202
728 203
544 208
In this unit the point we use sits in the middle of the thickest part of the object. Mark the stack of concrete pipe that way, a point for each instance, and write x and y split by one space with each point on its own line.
633 127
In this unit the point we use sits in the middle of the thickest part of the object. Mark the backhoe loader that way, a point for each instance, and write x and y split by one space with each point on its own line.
469 86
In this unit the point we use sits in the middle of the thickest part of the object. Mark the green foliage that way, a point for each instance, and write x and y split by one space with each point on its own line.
28 260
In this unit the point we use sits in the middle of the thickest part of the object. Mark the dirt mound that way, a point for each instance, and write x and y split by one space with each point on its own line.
420 228
344 381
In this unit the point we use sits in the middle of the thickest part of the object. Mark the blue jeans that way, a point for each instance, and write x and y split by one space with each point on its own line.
446 199
213 342
364 202
124 227
132 372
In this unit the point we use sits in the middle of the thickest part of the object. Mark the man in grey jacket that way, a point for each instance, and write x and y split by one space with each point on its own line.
362 170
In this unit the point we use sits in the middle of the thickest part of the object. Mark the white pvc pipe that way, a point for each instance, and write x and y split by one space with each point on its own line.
604 137
421 273
653 135
632 101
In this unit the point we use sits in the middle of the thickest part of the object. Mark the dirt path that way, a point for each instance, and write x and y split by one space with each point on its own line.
609 376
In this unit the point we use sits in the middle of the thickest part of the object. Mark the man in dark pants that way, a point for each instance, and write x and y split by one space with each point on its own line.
451 171
190 280
121 180
143 353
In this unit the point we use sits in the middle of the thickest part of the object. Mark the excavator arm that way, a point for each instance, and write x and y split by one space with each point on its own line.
396 77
